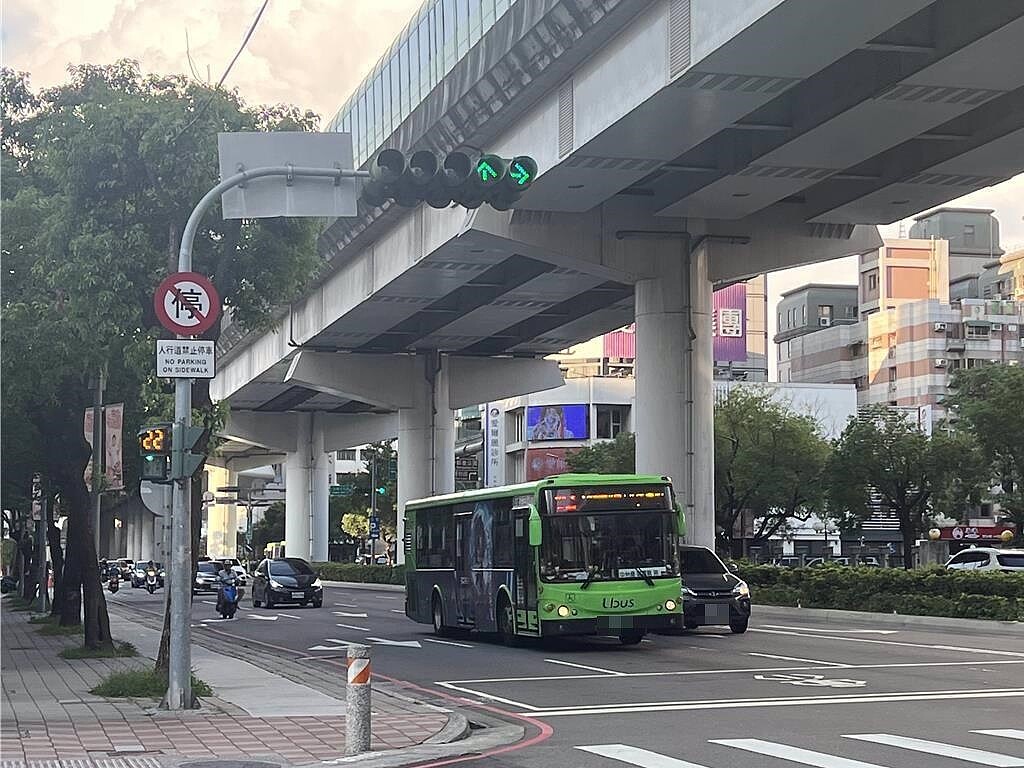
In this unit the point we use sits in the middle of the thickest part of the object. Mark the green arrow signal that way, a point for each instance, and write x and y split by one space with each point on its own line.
519 174
486 171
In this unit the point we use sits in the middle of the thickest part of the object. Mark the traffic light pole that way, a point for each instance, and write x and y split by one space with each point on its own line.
179 574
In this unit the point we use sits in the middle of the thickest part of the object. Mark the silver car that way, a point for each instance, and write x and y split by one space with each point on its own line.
987 559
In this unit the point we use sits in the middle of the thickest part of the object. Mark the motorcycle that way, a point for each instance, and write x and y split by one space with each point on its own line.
151 580
228 598
114 583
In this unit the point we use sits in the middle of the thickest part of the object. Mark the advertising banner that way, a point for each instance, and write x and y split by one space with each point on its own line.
494 446
729 323
113 421
557 422
87 425
544 462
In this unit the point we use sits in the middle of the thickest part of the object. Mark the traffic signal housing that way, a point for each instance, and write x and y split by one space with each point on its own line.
456 178
184 459
155 445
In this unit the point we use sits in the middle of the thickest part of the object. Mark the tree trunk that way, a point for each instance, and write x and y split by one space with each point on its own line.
26 549
909 534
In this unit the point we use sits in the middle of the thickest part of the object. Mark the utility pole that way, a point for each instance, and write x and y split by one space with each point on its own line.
368 542
97 453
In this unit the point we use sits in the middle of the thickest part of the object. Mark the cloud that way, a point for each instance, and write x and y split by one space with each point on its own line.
312 53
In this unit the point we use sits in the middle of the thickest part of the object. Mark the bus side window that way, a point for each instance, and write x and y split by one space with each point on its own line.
503 542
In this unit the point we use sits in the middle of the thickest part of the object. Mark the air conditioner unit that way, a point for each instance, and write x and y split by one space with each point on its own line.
824 322
940 327
997 326
940 362
892 386
1012 327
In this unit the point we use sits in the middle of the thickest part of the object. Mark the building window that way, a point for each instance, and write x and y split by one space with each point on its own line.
968 235
349 454
977 332
610 420
780 321
803 315
892 374
873 281
514 426
825 310
851 310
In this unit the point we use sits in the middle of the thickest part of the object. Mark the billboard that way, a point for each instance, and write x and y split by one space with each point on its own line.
729 324
544 462
557 422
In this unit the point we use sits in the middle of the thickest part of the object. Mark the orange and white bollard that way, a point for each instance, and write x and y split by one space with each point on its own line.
357 701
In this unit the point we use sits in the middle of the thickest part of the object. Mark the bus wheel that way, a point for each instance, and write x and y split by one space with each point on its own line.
507 623
437 616
631 638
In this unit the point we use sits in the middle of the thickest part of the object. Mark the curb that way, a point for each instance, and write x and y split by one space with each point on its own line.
361 585
831 616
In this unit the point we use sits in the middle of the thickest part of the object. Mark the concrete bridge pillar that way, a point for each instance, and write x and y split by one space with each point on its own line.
426 438
674 395
305 501
147 552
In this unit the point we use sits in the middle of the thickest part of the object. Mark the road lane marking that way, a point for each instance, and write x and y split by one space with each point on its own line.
815 681
208 602
584 666
956 648
797 658
345 605
740 670
395 610
353 626
1009 733
447 642
488 696
289 616
257 617
835 631
636 756
349 615
396 643
794 701
979 756
793 754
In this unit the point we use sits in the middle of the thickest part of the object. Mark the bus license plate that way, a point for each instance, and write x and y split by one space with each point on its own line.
716 612
298 595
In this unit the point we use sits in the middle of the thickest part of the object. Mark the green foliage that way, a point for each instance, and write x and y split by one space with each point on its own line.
613 457
356 525
52 628
989 402
143 684
385 455
119 650
768 464
363 574
925 592
268 529
881 457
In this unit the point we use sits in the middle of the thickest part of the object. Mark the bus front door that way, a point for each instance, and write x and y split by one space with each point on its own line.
525 575
464 569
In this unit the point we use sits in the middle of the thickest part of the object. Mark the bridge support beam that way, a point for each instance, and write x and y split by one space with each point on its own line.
674 395
305 500
426 438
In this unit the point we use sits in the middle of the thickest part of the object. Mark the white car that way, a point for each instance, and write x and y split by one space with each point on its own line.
987 559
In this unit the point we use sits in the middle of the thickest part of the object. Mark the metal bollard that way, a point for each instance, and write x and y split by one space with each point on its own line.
357 701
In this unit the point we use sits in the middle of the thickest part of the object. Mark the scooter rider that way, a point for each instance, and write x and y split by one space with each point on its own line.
225 576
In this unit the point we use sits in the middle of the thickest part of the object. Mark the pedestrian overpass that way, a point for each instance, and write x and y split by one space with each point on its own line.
681 144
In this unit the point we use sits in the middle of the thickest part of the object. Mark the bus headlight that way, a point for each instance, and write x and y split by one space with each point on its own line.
671 605
741 589
563 611
549 607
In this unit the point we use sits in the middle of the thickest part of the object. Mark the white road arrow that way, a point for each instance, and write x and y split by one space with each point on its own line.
260 618
836 631
399 643
350 615
340 645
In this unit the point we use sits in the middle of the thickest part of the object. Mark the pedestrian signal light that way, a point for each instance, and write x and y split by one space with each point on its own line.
455 178
382 490
155 444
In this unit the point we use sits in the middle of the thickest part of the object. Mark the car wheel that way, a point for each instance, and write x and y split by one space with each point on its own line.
739 626
507 623
303 603
631 638
437 616
255 602
318 603
269 601
691 625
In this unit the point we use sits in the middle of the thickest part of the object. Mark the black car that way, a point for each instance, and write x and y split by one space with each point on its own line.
711 594
286 580
206 577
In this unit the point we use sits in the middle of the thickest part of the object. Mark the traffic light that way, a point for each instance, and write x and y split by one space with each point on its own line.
458 178
382 490
155 444
184 462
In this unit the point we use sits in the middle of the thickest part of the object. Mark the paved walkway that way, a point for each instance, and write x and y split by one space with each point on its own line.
49 715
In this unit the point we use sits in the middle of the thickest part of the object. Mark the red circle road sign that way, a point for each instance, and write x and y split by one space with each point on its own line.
186 303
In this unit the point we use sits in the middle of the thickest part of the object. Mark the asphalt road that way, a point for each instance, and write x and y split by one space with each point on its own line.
787 693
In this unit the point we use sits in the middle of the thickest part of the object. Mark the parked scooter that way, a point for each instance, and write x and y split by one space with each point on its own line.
228 597
151 582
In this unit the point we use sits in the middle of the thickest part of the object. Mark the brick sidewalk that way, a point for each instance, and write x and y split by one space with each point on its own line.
49 714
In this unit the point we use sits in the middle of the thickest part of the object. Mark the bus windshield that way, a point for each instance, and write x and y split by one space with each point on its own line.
608 546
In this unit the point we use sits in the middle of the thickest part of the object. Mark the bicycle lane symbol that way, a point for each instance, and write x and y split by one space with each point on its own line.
815 681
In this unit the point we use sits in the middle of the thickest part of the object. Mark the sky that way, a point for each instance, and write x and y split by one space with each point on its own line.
311 53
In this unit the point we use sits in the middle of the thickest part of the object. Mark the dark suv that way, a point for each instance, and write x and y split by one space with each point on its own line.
286 580
711 594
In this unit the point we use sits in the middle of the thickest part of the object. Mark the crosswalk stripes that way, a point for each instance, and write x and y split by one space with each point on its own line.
643 758
979 756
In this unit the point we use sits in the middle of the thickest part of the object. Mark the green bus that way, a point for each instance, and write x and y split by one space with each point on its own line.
572 554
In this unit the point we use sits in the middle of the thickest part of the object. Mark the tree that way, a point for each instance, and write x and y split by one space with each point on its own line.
100 175
768 464
356 525
269 528
881 460
989 402
616 456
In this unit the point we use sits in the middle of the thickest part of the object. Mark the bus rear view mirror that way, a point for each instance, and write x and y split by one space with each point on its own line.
682 519
535 536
